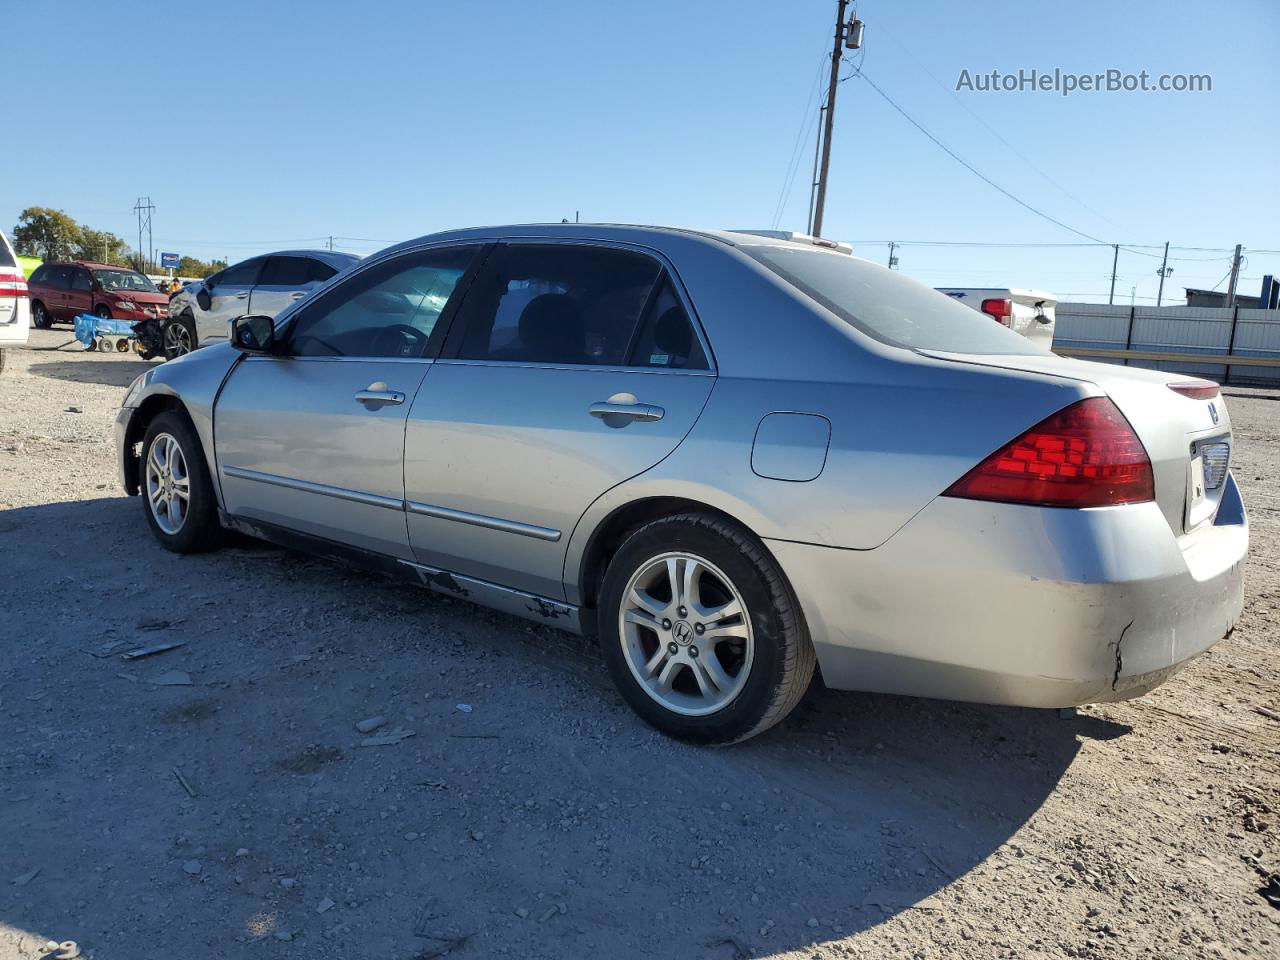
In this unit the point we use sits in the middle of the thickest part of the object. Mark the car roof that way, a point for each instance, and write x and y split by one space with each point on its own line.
645 234
331 257
91 264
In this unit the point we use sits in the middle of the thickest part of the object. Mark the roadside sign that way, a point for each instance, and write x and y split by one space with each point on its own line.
170 261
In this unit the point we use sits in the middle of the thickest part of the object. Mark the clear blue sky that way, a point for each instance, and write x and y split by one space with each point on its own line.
254 125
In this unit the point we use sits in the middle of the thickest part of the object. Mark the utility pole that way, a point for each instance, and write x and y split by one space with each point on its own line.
1235 275
330 244
893 261
143 209
832 84
1115 259
1164 271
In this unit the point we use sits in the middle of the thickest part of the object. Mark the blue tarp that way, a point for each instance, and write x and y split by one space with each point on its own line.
89 328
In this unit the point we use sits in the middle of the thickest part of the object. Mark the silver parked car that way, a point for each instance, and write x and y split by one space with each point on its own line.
201 313
732 457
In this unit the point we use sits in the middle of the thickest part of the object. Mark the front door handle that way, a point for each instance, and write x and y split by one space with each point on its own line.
379 394
632 410
242 296
297 295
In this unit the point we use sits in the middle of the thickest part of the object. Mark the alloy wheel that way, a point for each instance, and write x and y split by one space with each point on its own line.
686 634
177 339
168 484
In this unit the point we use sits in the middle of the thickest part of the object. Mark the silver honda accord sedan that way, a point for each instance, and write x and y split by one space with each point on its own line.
735 458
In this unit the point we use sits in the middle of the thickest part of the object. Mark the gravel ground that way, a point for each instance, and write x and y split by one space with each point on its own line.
243 815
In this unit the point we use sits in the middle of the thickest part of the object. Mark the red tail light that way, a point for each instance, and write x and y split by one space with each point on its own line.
998 310
1086 455
1196 389
12 284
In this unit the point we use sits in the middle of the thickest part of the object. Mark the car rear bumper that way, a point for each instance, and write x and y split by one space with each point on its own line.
1024 606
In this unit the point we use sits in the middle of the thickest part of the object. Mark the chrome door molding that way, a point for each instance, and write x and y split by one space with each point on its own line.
323 489
391 503
480 520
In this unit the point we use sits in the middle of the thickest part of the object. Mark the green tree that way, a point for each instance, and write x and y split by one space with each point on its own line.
103 246
191 267
46 233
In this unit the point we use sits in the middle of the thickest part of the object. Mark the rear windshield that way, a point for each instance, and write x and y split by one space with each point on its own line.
6 258
124 280
888 306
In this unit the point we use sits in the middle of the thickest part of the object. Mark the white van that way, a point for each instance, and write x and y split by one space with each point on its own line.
15 305
1028 312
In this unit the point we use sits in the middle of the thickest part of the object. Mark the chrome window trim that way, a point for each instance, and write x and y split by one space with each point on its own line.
480 520
323 489
596 368
250 358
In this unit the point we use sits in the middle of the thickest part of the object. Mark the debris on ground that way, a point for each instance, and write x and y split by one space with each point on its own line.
23 879
385 739
152 649
186 785
371 724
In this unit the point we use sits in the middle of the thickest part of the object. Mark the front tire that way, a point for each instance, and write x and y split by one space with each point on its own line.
103 312
179 336
177 492
701 631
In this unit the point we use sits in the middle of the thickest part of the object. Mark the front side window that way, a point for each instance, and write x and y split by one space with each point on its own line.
285 272
115 281
80 280
557 303
241 275
59 277
390 310
888 306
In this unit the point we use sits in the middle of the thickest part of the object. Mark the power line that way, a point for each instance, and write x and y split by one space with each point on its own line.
990 129
793 167
970 167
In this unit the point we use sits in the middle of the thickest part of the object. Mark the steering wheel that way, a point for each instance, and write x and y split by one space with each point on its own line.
398 340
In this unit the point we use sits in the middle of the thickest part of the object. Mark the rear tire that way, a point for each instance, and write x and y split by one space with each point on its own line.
177 492
40 318
701 631
179 336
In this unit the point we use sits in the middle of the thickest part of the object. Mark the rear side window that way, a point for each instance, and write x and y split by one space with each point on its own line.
666 338
318 271
40 275
59 277
558 303
888 306
285 272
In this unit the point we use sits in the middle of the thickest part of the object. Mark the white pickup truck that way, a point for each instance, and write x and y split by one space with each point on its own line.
1028 312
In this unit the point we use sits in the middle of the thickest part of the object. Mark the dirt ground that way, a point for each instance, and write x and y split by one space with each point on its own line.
242 815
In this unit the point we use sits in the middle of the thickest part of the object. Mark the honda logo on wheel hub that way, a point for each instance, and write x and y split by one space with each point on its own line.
682 632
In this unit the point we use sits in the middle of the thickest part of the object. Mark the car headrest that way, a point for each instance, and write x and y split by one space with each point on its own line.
552 328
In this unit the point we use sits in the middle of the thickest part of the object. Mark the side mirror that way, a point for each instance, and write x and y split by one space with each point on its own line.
254 334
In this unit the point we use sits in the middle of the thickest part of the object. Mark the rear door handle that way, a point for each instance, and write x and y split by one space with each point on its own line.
632 411
297 295
242 296
378 393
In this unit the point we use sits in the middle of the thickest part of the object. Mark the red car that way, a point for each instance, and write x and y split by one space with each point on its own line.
62 291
